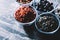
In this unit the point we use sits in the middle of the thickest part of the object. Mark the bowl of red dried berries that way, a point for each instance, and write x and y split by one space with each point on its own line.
26 15
47 23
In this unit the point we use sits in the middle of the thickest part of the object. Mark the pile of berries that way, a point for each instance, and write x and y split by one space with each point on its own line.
43 6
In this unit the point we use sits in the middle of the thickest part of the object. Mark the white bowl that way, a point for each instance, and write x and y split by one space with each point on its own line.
52 32
29 23
55 4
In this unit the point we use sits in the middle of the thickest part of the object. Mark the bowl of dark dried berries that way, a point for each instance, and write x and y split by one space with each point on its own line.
25 15
47 23
46 5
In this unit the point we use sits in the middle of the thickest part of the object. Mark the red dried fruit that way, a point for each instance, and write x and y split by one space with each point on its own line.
25 14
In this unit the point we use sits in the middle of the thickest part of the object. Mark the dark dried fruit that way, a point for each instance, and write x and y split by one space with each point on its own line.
43 6
47 23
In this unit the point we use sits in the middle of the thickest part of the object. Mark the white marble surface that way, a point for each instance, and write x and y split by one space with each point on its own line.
9 28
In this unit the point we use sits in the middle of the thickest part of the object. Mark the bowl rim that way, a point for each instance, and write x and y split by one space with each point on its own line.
51 31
